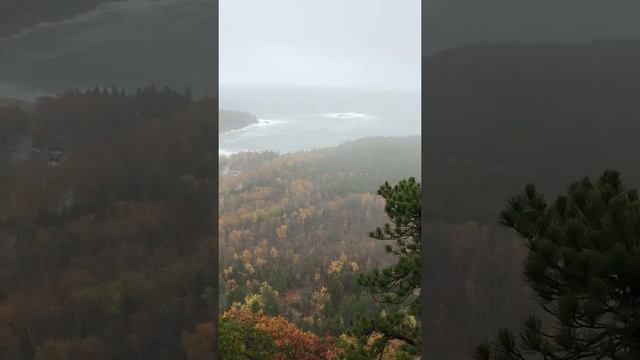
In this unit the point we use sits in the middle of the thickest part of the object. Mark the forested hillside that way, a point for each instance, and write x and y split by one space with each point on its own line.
294 230
106 225
499 116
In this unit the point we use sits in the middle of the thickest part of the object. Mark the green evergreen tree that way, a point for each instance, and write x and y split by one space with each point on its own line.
583 264
396 287
270 300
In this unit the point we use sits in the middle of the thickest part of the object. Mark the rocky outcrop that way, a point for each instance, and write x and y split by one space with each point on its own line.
233 120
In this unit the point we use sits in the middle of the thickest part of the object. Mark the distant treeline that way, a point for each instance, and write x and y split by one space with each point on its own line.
17 15
74 117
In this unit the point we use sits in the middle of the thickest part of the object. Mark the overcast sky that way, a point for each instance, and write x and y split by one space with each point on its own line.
346 43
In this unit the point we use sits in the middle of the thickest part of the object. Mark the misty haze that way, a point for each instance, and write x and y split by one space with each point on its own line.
319 147
113 247
320 73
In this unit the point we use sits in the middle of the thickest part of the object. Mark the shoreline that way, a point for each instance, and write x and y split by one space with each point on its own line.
222 153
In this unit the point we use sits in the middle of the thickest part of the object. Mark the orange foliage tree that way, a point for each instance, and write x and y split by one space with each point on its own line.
291 341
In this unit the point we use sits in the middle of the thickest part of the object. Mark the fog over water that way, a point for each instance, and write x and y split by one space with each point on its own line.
319 73
292 119
294 63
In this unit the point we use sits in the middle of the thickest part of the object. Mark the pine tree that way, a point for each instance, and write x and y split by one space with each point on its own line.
583 264
397 286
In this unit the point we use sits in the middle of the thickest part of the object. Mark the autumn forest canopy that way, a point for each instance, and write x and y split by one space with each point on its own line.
107 228
110 235
106 225
296 247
